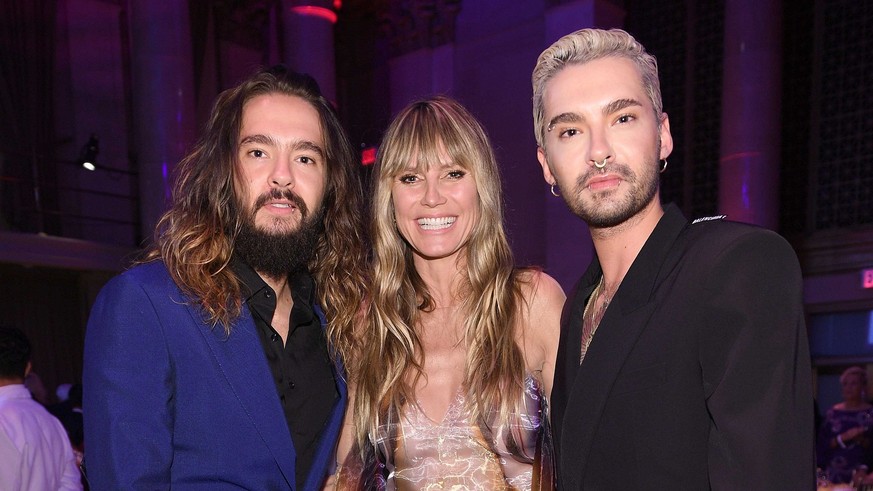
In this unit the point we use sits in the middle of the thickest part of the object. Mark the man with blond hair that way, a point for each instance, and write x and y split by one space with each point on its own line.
683 361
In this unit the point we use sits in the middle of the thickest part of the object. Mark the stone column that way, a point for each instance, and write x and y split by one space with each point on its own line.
307 40
163 99
750 118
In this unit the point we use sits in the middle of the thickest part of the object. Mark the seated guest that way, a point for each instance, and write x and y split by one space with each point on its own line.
844 440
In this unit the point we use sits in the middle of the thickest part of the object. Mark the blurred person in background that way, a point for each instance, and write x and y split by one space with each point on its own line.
845 439
35 452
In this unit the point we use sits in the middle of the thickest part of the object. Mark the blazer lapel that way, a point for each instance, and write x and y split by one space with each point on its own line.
570 346
615 337
324 456
571 324
244 366
624 321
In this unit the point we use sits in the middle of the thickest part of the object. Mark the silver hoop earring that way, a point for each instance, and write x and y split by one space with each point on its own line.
554 193
600 165
664 166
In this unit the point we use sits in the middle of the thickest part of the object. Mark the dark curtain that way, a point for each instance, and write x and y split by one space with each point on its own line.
49 305
27 139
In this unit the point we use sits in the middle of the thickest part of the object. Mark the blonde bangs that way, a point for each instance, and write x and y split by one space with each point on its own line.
424 139
424 134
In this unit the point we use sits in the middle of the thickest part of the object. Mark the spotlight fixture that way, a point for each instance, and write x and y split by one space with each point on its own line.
88 156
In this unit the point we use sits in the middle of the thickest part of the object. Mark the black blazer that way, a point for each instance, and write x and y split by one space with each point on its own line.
699 374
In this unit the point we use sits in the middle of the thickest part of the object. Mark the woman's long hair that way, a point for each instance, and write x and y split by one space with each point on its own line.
195 238
392 357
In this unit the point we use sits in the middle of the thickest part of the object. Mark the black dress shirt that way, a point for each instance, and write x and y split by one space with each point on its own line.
301 369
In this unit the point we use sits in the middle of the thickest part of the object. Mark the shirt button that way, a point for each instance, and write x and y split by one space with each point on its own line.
274 337
291 384
268 293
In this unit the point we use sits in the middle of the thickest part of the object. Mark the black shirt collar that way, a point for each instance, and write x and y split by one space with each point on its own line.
301 368
301 283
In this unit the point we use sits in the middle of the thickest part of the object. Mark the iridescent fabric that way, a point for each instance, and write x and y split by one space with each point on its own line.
414 453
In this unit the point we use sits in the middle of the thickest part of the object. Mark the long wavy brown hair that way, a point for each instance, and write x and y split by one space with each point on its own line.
195 238
392 357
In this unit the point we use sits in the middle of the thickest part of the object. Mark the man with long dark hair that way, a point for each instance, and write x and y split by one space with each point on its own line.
208 365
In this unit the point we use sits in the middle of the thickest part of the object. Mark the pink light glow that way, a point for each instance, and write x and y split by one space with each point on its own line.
867 281
368 156
322 12
740 155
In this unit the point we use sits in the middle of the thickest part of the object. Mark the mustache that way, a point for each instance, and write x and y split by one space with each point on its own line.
613 168
285 194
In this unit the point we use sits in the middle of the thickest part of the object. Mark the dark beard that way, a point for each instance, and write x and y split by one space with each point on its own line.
279 253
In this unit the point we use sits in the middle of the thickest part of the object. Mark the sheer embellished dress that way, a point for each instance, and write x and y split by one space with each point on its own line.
413 452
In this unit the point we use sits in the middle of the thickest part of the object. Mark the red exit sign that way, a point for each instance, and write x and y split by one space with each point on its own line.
867 278
368 156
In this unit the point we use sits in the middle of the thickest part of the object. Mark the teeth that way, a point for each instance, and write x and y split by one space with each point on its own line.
436 223
280 205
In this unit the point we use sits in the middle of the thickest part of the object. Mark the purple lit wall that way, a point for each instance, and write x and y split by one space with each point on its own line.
494 81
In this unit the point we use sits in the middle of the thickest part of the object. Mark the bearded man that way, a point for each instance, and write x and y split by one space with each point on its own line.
683 360
207 366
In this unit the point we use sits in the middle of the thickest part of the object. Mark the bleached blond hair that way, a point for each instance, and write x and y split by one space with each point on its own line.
587 45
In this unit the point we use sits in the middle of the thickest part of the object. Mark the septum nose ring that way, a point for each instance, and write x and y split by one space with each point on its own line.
601 164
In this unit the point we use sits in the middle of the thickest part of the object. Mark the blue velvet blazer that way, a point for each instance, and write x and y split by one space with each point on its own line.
170 401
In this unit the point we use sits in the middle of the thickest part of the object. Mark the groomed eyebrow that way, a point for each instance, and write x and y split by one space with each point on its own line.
564 118
620 104
612 107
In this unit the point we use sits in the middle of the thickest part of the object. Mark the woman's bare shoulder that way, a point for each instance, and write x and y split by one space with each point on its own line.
540 289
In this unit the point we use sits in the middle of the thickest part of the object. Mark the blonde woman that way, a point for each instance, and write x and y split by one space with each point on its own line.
454 365
845 439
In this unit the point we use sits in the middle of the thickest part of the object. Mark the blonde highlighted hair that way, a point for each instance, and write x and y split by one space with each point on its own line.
587 45
392 358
